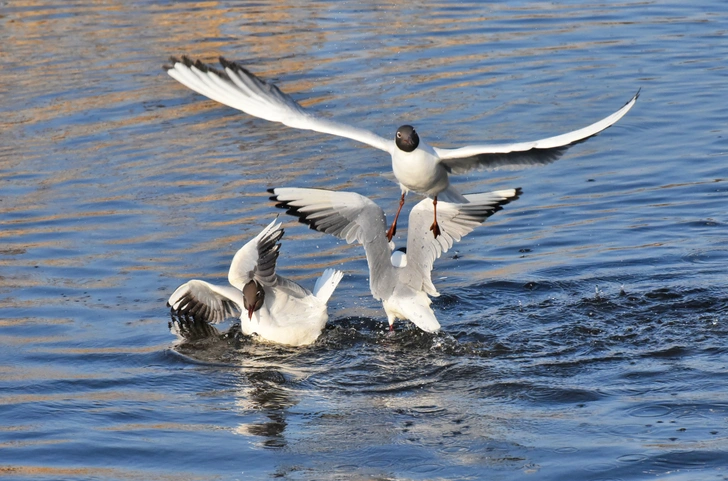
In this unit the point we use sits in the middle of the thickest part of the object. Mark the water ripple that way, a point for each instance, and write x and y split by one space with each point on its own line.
584 326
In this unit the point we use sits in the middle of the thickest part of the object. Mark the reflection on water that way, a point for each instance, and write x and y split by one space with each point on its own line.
261 387
268 394
583 329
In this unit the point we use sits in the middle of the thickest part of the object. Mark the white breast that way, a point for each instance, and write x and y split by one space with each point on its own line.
287 320
419 170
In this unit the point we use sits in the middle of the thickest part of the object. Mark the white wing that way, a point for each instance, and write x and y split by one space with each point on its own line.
537 152
257 259
238 88
205 302
348 216
455 221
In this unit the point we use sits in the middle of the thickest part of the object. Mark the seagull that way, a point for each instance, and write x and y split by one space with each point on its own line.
271 306
417 166
401 281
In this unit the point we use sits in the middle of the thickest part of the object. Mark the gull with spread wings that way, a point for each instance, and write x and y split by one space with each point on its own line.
271 306
417 166
402 282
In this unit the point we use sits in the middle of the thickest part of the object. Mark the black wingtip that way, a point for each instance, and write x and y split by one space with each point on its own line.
294 212
234 66
173 60
201 66
518 190
635 96
225 62
271 190
499 205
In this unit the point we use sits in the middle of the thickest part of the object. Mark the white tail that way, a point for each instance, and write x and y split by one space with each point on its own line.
326 284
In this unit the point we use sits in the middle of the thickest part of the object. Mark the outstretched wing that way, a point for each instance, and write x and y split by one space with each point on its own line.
348 216
522 154
257 259
456 221
238 88
205 302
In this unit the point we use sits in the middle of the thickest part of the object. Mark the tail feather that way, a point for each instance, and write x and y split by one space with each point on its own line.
424 318
416 309
326 284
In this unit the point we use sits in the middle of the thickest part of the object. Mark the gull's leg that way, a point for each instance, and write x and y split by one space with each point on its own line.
393 229
434 227
390 319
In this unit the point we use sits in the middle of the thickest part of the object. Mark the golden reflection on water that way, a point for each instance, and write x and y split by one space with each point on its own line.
34 472
116 396
83 63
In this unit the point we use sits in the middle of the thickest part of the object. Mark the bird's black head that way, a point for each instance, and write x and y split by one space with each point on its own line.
406 138
253 297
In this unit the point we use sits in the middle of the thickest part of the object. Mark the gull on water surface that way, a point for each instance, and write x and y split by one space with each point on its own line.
402 282
271 306
417 166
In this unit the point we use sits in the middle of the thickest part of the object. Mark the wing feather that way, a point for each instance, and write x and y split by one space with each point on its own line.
237 87
348 216
205 302
522 154
456 221
257 259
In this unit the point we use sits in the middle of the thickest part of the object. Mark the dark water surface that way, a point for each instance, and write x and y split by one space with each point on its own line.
585 326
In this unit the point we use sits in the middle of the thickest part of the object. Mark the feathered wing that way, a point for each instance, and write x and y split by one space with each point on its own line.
257 259
522 154
205 302
348 216
238 88
456 221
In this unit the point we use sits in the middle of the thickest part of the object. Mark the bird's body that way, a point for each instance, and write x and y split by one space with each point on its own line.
420 171
402 283
272 307
417 166
290 315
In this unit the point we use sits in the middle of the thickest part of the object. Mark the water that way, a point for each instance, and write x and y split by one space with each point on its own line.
584 326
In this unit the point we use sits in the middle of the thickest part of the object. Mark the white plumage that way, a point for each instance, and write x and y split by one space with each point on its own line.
416 165
289 313
403 290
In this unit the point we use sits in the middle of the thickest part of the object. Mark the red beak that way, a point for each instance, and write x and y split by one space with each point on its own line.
250 312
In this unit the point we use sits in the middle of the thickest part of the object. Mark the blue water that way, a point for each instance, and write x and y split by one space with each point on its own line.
584 326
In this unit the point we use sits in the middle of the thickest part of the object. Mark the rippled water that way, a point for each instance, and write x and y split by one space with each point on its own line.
584 326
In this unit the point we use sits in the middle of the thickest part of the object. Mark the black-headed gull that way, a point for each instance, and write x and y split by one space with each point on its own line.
401 282
416 165
271 306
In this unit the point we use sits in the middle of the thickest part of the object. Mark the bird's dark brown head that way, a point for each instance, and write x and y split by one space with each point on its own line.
406 138
253 297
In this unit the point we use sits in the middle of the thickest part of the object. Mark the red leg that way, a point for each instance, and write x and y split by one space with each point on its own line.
393 229
434 227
